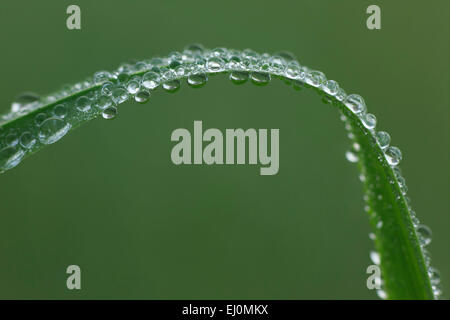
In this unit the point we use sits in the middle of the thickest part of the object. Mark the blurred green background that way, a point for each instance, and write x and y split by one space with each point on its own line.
109 199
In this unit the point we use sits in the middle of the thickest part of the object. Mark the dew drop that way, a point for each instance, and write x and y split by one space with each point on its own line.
355 103
331 87
103 102
12 139
109 113
142 96
119 95
52 130
195 48
382 294
375 257
351 157
60 111
260 78
101 76
197 80
383 139
424 234
171 86
435 276
24 100
150 80
40 118
107 88
215 64
83 104
315 78
133 87
123 77
239 77
27 140
393 155
10 157
369 120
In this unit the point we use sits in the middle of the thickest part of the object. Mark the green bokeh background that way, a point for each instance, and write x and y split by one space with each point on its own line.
108 198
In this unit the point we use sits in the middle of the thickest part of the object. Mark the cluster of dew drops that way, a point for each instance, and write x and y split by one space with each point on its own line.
105 90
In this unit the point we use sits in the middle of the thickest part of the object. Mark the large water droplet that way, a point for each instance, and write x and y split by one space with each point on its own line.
215 64
24 100
239 77
101 76
150 80
260 78
142 96
383 139
52 130
171 86
109 113
10 157
11 139
197 80
103 102
315 78
424 234
27 140
435 276
393 155
369 120
119 95
60 111
355 103
133 86
331 87
83 104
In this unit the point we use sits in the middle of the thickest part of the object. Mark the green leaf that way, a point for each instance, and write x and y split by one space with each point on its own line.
399 238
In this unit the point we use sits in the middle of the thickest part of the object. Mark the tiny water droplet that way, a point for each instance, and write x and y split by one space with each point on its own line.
351 156
375 257
424 234
382 294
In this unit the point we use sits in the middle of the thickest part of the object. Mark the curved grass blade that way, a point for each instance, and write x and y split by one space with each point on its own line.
399 239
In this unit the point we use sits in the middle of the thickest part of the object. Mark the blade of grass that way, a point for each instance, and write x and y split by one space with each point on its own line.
403 260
